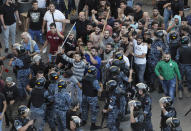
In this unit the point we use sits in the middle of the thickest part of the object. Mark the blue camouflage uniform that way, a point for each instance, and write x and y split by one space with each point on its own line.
123 102
50 109
154 56
62 102
113 113
146 106
90 87
23 72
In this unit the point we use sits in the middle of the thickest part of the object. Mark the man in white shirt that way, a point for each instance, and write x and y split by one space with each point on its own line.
140 51
50 16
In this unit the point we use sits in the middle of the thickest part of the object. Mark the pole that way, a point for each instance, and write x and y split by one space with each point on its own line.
68 34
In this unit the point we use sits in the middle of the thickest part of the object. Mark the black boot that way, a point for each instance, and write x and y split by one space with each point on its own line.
83 123
94 127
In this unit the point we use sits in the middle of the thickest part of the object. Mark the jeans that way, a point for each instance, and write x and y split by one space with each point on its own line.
169 87
185 70
36 34
1 124
51 58
12 30
167 16
140 71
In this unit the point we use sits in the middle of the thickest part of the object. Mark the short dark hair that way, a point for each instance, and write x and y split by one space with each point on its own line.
52 24
94 48
154 22
110 44
155 8
34 1
118 21
51 3
139 4
123 1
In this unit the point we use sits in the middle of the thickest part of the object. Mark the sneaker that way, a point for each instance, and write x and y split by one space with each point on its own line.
6 50
94 127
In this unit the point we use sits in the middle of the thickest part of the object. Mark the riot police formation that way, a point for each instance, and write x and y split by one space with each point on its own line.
93 65
167 111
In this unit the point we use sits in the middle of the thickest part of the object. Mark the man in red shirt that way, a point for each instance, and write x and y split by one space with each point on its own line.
55 39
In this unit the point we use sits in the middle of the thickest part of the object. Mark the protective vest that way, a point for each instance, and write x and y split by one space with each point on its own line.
138 126
164 118
185 54
26 60
37 97
87 86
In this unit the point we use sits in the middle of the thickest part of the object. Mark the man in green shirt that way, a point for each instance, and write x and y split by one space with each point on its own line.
167 70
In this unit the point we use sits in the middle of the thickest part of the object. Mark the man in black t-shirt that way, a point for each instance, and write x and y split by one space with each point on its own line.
7 16
34 21
3 106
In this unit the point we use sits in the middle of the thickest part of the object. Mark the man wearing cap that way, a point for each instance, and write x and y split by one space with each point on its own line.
11 95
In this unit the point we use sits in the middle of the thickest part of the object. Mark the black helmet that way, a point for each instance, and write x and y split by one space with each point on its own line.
173 122
53 76
114 70
92 70
185 40
116 62
22 49
62 84
118 55
173 36
143 87
159 34
111 85
137 105
40 82
23 109
166 100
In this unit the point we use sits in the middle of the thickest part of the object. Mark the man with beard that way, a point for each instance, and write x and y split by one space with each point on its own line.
138 12
81 26
107 38
52 16
167 70
140 51
108 53
157 17
125 44
96 36
117 27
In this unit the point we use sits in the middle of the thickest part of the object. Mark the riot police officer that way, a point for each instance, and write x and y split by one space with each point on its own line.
90 89
145 99
167 111
183 58
154 56
38 105
174 43
53 79
174 124
62 103
112 106
136 115
23 121
21 64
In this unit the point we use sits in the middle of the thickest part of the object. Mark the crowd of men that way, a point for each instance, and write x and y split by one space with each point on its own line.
115 53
